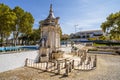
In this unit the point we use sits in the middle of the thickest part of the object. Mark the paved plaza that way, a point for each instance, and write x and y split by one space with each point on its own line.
108 68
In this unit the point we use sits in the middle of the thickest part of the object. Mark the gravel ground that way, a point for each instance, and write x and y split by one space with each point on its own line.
108 68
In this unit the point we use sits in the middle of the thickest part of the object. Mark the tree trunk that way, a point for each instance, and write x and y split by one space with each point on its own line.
15 38
6 41
22 41
2 39
34 41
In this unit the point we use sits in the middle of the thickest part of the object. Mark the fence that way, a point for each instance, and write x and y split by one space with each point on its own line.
86 64
64 66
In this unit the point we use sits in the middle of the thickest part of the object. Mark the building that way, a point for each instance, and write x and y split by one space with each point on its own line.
84 35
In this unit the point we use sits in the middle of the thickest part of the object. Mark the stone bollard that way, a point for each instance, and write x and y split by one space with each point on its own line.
26 61
58 67
82 60
46 66
67 70
95 62
96 58
88 61
72 64
55 63
70 68
65 63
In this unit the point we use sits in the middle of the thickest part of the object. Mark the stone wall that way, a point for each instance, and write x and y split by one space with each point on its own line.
16 60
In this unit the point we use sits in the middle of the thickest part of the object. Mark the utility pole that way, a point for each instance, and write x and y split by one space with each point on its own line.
75 27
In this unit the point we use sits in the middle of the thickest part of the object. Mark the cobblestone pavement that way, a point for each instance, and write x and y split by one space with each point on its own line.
108 68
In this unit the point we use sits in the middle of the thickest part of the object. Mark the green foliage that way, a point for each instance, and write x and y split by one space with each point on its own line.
75 37
106 44
19 13
24 20
65 37
112 26
26 23
102 38
7 18
7 21
35 35
12 20
32 37
92 39
97 44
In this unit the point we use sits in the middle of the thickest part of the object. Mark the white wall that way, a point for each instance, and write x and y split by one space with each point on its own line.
16 60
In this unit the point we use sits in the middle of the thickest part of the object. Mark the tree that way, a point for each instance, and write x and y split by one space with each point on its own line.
35 36
7 21
65 37
92 39
31 38
17 21
112 26
102 38
24 22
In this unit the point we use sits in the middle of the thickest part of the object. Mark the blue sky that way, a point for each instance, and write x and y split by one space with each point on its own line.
87 14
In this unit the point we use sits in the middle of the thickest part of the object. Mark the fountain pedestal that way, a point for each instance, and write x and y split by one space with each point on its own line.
44 56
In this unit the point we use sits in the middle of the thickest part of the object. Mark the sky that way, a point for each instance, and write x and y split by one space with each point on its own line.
84 14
